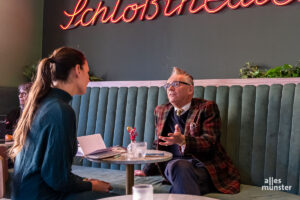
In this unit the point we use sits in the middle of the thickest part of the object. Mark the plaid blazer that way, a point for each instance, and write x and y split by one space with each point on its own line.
202 135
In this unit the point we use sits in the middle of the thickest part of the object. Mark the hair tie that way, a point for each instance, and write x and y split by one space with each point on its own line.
51 60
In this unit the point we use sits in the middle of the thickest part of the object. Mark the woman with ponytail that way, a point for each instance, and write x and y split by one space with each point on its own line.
45 137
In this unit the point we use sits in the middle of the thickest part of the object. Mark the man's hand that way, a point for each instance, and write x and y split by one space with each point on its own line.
99 186
139 173
174 138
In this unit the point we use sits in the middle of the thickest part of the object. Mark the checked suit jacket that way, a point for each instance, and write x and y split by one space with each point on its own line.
202 135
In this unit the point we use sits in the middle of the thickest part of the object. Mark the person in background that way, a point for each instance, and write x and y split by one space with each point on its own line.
13 116
189 128
45 136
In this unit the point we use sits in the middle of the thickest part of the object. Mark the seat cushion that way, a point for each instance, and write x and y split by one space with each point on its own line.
117 178
249 192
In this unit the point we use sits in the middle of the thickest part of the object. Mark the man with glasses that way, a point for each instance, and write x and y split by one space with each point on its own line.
190 129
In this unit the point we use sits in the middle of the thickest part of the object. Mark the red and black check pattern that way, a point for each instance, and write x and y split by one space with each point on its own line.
202 131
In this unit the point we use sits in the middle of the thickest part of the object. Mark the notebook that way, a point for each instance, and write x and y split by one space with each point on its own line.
93 147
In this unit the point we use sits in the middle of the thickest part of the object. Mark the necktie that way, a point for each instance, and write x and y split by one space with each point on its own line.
179 111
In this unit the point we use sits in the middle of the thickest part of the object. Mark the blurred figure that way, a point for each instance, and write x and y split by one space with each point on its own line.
13 116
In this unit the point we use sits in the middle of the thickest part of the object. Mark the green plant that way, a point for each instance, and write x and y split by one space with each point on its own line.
251 71
30 72
94 77
284 71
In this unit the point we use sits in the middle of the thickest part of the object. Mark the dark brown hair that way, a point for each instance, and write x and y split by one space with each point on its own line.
56 67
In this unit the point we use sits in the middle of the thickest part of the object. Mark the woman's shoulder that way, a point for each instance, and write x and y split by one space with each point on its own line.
56 108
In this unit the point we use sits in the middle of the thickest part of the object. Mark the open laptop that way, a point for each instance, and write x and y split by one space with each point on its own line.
93 147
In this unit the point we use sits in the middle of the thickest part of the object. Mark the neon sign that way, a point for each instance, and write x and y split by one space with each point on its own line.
80 13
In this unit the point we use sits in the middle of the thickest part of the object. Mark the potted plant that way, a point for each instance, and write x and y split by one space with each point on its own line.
284 71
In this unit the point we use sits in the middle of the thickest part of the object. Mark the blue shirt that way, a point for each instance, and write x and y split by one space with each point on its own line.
43 166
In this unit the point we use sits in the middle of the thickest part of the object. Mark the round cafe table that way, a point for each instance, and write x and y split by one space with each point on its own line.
130 162
164 197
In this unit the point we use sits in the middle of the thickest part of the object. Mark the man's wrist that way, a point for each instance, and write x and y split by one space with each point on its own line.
183 142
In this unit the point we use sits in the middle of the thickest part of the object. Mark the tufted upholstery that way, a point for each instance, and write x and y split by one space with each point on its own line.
260 124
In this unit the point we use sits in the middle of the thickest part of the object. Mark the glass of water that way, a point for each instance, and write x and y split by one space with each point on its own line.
140 149
142 192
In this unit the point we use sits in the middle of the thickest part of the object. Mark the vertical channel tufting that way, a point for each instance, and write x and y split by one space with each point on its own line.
83 113
120 120
259 136
246 133
130 115
140 114
92 115
83 117
222 102
272 130
294 157
162 96
75 103
92 111
149 133
210 93
284 134
101 115
234 123
101 111
110 119
198 92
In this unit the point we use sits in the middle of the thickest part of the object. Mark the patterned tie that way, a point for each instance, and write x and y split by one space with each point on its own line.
179 111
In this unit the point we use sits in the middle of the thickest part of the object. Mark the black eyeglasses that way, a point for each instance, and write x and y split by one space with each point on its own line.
175 84
22 93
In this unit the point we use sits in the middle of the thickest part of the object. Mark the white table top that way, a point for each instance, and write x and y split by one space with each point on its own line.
123 159
164 197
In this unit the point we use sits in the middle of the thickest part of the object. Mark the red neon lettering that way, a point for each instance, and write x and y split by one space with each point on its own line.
246 4
130 12
193 11
111 17
133 7
83 16
235 6
260 3
143 7
177 8
72 16
283 3
155 4
97 12
217 9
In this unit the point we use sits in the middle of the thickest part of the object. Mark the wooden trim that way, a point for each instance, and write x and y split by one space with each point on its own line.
2 178
202 82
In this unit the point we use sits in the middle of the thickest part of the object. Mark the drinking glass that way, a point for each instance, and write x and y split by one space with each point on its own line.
140 149
142 192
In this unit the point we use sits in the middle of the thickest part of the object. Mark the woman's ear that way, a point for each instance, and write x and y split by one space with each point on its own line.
77 70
